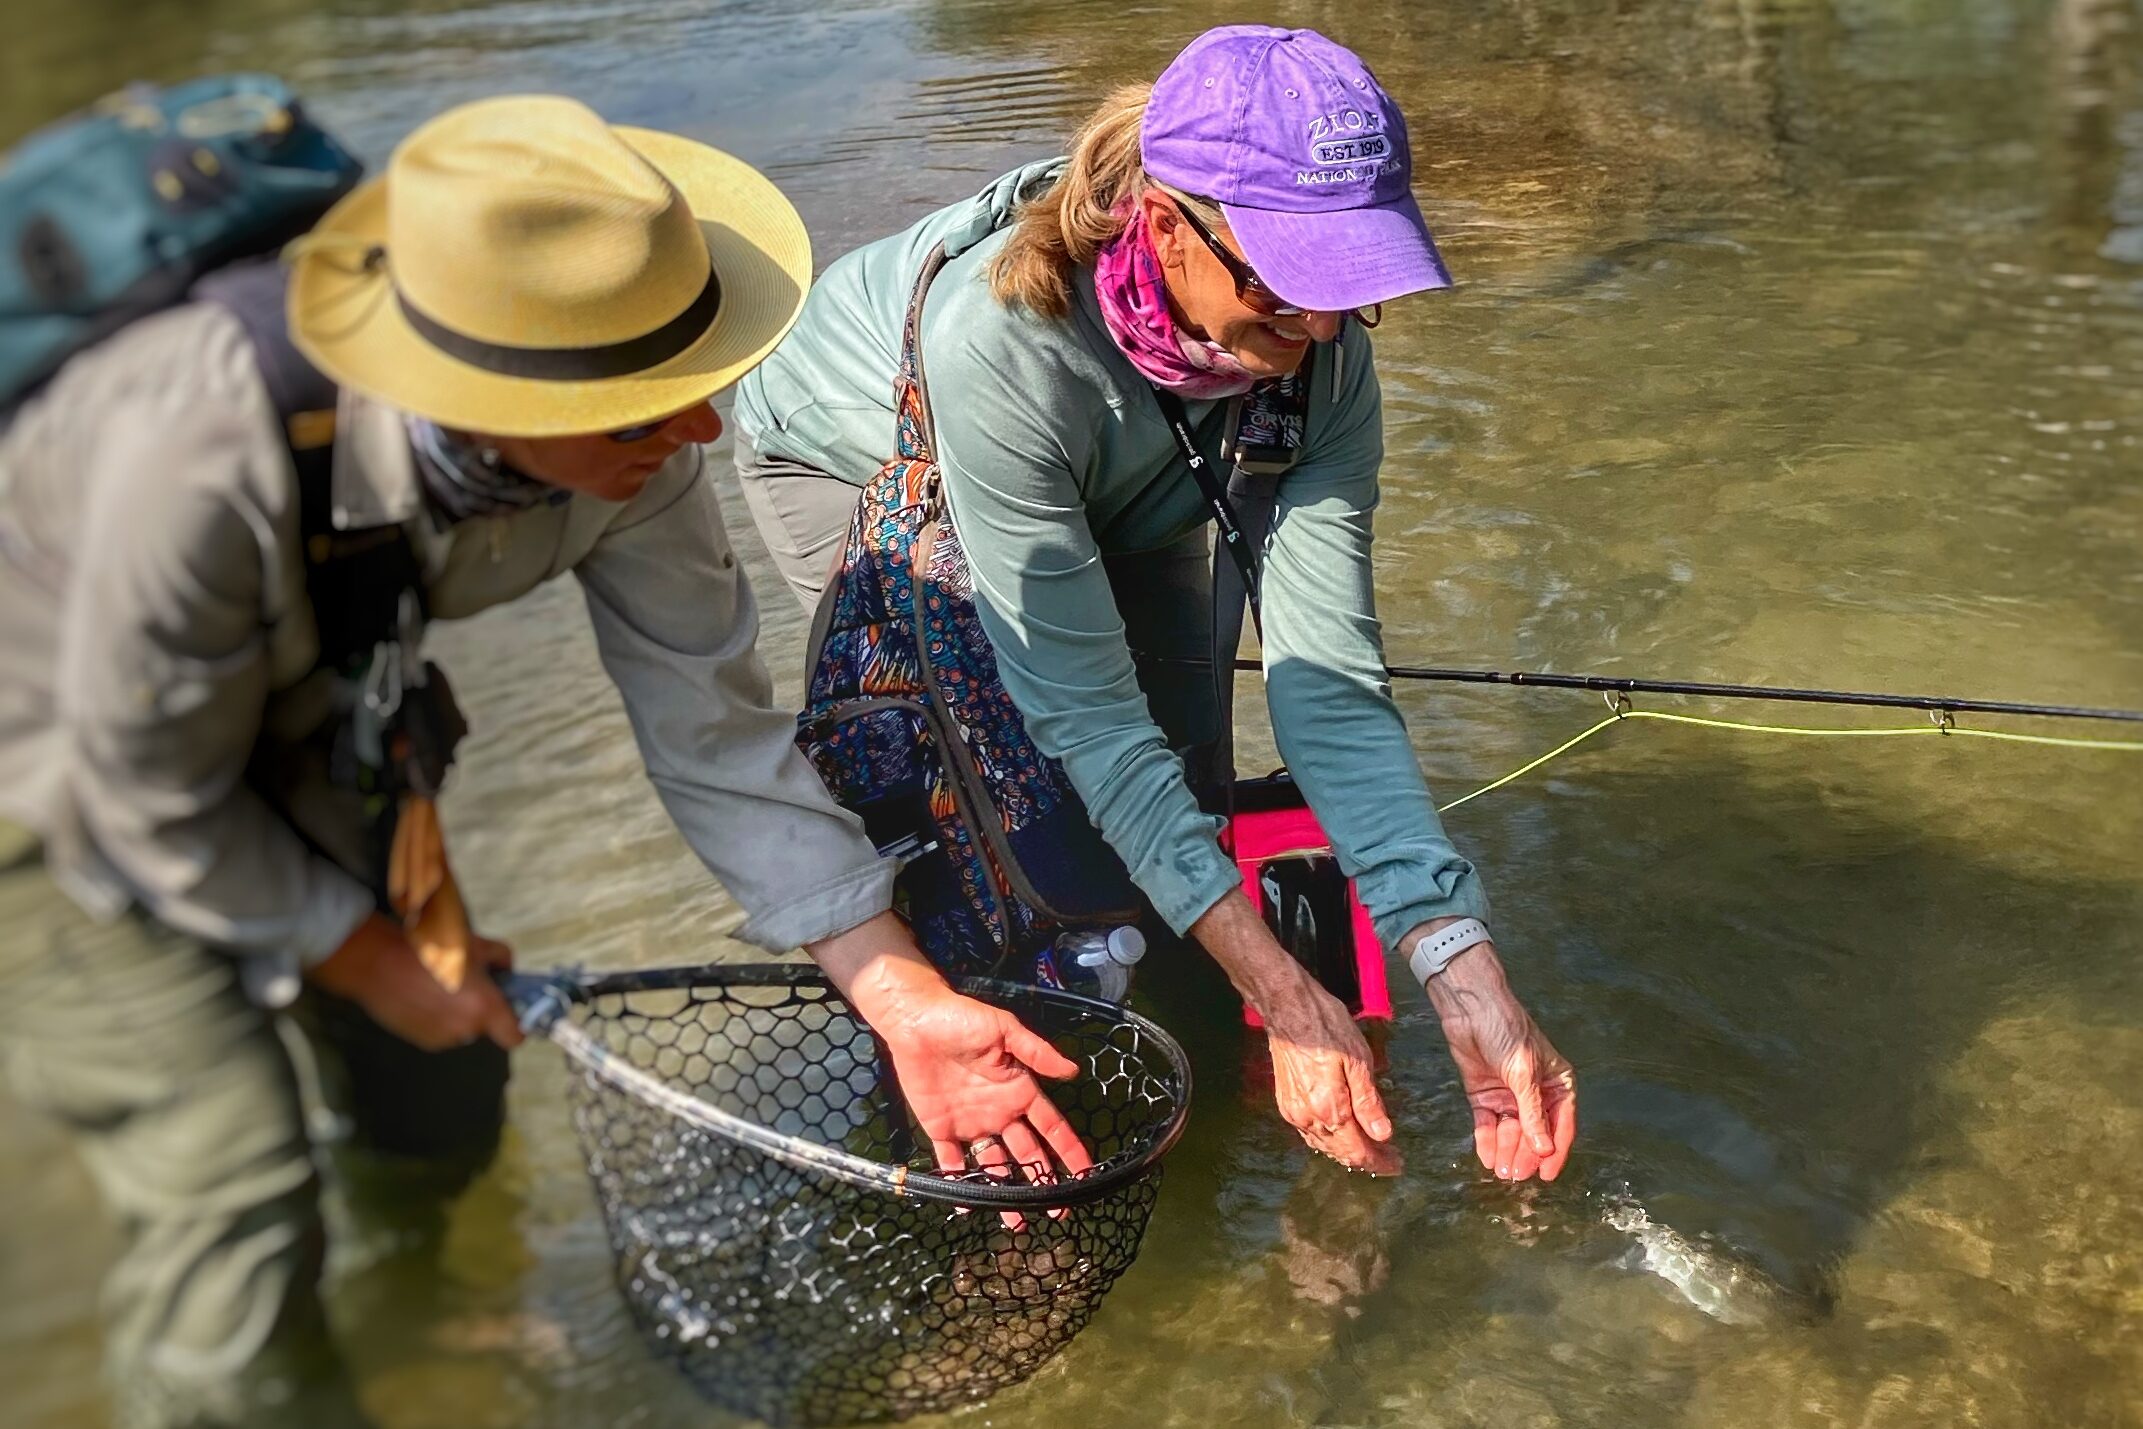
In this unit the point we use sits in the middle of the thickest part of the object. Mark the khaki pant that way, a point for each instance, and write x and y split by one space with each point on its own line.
184 1104
1164 597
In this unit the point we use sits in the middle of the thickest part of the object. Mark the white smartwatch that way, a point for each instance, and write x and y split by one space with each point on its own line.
1434 953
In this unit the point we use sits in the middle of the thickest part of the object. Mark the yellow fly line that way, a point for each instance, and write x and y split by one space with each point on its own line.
1944 727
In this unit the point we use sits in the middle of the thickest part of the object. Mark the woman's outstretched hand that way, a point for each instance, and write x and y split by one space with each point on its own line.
1523 1092
967 1069
1323 1077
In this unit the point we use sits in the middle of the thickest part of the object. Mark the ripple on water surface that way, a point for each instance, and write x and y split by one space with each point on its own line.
1796 340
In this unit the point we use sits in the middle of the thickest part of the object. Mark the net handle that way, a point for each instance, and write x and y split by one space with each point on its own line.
542 1000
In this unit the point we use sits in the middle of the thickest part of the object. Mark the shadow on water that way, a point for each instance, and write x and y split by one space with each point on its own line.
1796 339
1780 979
1782 986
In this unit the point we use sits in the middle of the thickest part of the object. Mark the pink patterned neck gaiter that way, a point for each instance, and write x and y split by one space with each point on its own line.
1134 304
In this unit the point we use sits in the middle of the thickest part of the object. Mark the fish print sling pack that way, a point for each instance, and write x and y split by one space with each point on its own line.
909 725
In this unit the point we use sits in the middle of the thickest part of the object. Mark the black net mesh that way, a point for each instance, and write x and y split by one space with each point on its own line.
777 1231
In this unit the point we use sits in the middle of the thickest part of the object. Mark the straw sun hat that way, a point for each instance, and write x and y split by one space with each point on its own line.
524 269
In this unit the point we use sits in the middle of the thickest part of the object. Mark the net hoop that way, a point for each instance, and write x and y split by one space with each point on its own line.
803 1154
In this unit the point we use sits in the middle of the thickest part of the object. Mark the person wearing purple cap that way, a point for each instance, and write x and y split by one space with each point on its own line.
1227 234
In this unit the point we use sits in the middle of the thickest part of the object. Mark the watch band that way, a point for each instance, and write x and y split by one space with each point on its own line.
1434 953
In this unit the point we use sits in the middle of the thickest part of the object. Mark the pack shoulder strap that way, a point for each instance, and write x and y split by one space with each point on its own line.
356 579
914 438
301 394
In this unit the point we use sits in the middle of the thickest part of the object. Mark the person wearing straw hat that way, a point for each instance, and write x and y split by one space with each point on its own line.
518 329
1096 322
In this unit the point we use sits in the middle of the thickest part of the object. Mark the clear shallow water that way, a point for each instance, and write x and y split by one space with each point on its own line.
1800 341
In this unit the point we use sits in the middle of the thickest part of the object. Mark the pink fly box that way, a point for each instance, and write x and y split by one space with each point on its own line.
1271 827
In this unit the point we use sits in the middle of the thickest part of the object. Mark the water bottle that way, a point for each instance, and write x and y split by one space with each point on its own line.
1092 962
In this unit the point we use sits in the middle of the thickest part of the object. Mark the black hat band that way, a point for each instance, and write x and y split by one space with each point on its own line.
575 364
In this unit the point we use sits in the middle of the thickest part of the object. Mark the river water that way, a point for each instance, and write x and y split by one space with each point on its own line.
1797 341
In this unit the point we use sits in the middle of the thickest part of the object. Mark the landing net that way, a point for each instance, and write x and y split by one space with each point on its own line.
779 1230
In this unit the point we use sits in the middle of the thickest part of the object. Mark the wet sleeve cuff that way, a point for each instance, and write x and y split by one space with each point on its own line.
849 901
1454 891
339 904
1193 877
334 906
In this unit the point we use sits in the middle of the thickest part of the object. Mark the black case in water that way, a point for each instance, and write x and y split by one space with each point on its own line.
1306 907
1306 895
899 826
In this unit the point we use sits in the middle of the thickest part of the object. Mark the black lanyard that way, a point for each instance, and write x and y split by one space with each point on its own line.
1216 491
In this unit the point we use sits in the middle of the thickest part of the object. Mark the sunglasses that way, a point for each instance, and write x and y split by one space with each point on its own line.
1251 290
626 436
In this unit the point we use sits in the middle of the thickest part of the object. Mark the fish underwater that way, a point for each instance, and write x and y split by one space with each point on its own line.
1728 1288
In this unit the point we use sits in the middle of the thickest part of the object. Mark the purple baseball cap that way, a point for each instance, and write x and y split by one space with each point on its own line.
1307 156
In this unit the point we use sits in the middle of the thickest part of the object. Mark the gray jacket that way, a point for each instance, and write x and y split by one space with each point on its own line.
154 628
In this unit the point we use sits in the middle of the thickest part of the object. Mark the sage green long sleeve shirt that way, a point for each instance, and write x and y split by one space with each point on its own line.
1055 454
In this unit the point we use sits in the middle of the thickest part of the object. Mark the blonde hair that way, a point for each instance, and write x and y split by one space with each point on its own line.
1067 223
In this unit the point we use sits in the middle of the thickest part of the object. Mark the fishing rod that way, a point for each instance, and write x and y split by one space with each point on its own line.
1617 684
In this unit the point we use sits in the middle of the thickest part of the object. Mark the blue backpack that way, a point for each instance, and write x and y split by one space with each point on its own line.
155 197
116 212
